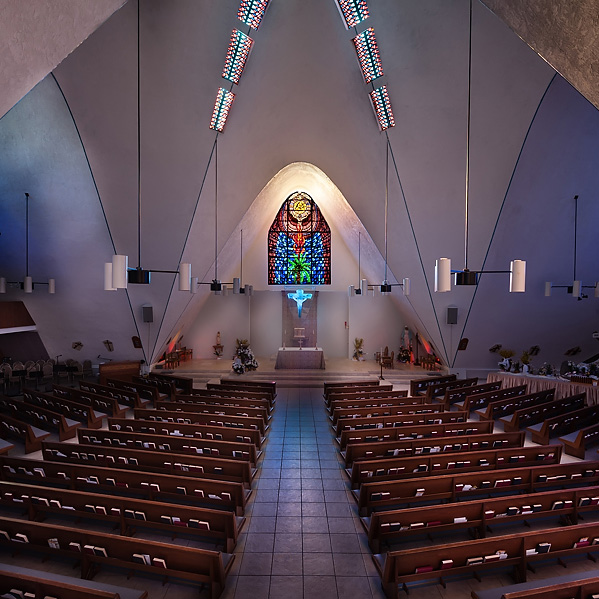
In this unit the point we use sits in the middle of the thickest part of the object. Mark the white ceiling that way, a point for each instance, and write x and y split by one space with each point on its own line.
302 99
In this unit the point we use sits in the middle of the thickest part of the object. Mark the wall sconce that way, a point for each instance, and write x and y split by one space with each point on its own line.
108 345
77 345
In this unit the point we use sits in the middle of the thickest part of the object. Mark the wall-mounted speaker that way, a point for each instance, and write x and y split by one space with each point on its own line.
452 316
148 313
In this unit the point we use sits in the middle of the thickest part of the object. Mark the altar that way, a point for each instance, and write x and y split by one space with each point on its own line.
301 358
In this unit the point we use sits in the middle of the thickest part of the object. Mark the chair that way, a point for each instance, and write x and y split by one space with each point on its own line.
34 374
87 368
387 360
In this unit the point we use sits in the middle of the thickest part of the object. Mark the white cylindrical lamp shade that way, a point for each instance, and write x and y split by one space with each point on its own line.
236 285
517 276
108 277
119 271
194 285
184 276
363 287
406 286
351 291
28 285
547 288
443 275
576 289
2 285
52 286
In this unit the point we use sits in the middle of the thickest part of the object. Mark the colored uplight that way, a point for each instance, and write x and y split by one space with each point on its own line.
353 12
382 107
237 55
251 12
222 106
368 55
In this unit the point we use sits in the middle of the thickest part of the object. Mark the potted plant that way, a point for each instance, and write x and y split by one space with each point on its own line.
244 357
525 359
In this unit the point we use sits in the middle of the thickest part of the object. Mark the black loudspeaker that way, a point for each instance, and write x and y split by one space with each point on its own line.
148 313
452 316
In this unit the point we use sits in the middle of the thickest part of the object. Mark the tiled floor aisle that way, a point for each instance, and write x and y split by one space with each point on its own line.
303 537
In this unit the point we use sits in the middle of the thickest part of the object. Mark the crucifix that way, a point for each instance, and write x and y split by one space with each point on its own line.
300 297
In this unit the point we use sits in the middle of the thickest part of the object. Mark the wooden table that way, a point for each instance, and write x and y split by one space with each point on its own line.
562 387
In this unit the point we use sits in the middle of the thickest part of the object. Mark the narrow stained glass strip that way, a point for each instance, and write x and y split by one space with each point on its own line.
368 55
382 107
353 12
251 12
237 55
222 106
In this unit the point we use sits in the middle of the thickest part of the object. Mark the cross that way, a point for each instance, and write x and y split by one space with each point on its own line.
300 297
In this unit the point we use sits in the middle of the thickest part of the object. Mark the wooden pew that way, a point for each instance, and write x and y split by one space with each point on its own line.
480 515
199 566
146 392
574 589
12 428
439 389
386 468
198 431
371 432
167 389
67 408
39 417
470 461
183 384
41 586
347 427
100 403
459 395
363 393
371 450
415 565
344 417
271 385
332 385
198 466
233 450
563 424
576 443
482 400
194 414
419 386
124 397
395 400
537 414
504 407
201 396
242 389
88 476
191 404
459 486
127 514
5 446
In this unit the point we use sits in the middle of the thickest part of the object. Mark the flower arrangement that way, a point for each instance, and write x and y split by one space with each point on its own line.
506 363
546 370
404 354
244 357
358 349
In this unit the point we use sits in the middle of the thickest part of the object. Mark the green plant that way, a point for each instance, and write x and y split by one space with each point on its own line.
358 348
525 357
506 353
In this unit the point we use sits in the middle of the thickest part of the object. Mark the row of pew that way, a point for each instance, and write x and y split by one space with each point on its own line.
181 466
417 473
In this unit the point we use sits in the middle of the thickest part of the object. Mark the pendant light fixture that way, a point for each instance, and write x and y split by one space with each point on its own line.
117 273
27 284
466 276
576 289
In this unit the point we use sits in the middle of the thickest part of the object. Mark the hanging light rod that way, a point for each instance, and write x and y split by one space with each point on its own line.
466 276
117 273
27 284
576 289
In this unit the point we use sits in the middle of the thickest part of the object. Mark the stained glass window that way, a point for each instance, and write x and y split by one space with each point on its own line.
299 244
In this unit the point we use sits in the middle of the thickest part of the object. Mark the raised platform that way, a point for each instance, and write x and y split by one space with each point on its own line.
295 358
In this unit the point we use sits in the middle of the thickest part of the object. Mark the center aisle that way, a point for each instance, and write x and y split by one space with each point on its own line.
303 537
